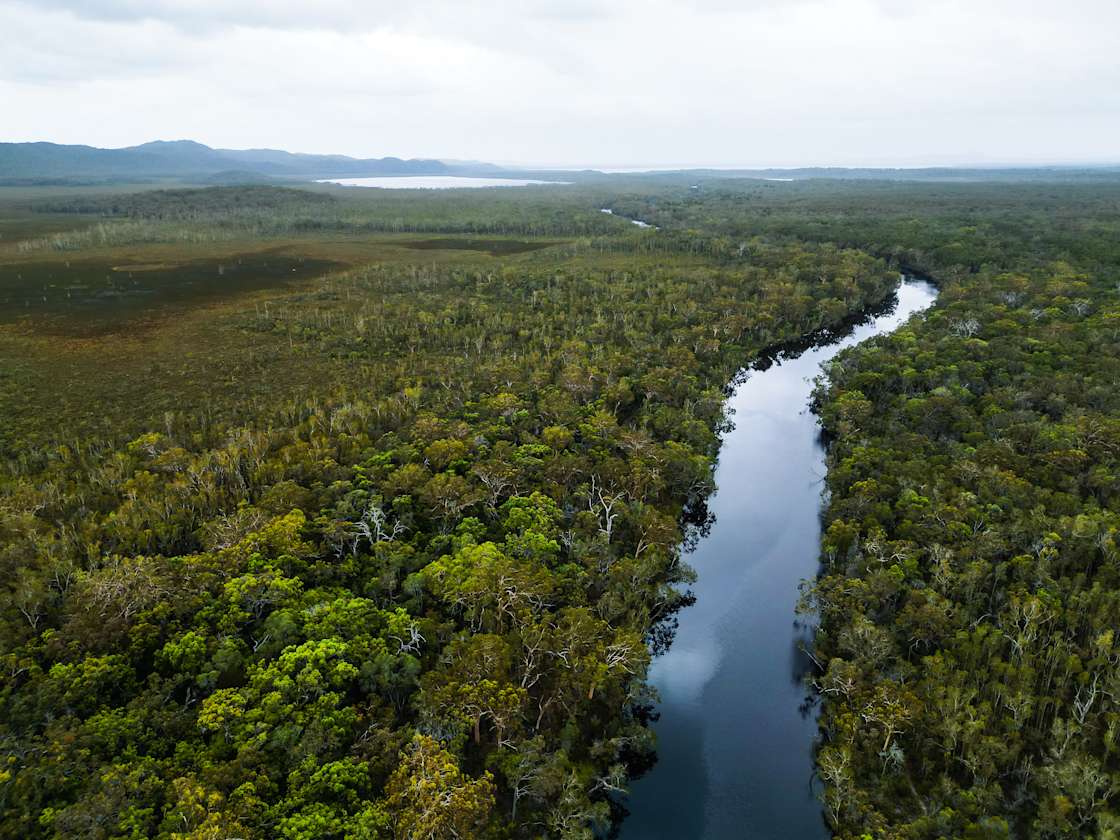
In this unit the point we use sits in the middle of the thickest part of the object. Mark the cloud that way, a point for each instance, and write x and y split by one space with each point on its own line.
207 15
338 15
696 81
50 48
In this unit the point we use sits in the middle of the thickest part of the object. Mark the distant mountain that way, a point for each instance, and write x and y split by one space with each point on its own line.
185 160
191 162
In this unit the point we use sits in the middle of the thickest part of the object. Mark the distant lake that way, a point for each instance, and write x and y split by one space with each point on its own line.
434 182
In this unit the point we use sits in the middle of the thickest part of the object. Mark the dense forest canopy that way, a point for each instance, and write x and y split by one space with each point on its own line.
357 516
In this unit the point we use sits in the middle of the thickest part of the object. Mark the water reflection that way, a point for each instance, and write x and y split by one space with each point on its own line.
435 182
735 724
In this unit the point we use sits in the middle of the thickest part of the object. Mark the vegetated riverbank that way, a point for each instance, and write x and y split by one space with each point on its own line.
971 584
735 730
392 539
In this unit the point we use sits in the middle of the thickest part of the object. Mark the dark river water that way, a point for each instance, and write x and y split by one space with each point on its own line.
735 737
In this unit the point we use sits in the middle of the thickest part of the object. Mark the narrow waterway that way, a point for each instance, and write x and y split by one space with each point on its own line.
735 735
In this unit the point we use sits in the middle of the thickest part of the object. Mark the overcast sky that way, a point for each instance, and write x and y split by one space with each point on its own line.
626 82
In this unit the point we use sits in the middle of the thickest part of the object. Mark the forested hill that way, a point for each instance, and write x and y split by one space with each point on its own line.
38 162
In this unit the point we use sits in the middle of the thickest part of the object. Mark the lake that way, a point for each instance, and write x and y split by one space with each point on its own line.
434 182
736 734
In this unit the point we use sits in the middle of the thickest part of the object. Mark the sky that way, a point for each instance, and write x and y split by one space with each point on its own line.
625 83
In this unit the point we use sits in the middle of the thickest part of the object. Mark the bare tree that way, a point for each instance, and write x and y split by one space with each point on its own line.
603 503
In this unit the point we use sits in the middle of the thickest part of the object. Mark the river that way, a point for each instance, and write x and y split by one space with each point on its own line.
735 734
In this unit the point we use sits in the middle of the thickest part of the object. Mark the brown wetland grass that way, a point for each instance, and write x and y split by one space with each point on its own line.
104 340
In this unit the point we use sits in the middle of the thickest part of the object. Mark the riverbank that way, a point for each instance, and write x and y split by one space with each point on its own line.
736 728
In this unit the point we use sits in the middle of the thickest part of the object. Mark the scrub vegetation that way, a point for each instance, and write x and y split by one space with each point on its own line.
366 548
357 514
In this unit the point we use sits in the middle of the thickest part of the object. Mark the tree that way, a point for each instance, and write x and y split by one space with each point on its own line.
432 799
494 590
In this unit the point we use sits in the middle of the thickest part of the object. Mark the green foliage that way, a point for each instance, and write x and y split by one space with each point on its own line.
380 555
384 559
972 575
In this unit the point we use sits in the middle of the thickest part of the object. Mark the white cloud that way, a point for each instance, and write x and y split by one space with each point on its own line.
702 82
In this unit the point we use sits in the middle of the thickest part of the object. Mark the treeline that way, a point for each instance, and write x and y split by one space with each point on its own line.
216 213
951 227
415 603
186 204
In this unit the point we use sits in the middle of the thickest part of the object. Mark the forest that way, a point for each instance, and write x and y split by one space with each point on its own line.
360 514
969 676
